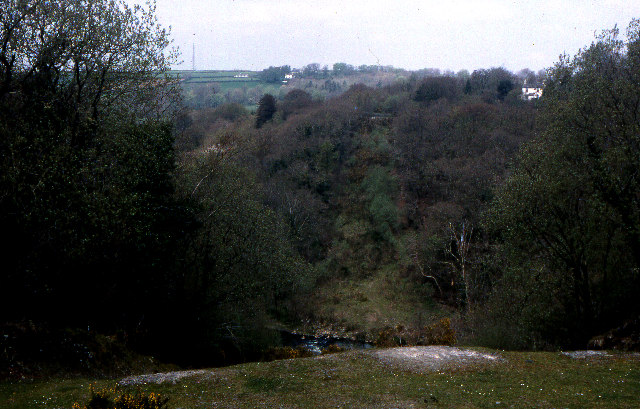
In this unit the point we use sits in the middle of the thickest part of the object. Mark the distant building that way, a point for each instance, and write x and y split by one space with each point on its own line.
531 92
241 76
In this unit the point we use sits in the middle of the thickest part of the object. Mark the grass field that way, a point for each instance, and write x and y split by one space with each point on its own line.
360 380
228 78
212 75
225 81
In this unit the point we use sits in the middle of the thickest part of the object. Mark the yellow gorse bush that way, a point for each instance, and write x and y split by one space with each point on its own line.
441 333
111 398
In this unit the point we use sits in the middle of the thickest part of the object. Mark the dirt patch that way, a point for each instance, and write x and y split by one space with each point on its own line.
586 354
434 358
169 377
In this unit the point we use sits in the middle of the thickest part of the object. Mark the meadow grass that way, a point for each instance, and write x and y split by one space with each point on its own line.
369 304
360 380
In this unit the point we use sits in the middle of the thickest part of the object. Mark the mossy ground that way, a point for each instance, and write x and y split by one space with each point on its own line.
369 304
359 380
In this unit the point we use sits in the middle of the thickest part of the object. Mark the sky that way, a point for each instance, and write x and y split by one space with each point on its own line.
410 34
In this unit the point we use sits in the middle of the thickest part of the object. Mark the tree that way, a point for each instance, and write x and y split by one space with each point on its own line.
570 213
504 87
87 157
458 249
266 109
295 101
491 83
274 74
99 57
528 76
238 265
341 68
433 88
311 70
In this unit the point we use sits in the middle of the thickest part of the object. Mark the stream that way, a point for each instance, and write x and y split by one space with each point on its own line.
317 344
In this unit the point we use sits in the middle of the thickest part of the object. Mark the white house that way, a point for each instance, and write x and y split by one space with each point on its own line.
530 92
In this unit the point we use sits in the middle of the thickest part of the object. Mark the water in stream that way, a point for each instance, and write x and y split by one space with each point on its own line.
317 344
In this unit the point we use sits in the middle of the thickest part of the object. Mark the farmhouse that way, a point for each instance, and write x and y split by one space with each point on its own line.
531 92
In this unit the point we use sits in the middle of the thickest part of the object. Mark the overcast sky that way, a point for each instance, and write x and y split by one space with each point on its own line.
411 34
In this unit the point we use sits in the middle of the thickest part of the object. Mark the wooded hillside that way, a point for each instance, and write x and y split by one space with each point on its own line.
196 232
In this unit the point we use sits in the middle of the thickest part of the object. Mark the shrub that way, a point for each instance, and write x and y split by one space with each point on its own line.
391 337
440 333
286 353
332 349
104 399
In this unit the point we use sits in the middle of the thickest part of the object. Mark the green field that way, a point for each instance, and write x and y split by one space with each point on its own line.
360 380
214 74
221 77
224 81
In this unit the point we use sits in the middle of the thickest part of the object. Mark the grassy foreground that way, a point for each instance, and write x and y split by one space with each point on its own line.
360 380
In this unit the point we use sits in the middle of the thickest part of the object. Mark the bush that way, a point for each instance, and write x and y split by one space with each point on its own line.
287 352
104 399
332 349
438 333
391 337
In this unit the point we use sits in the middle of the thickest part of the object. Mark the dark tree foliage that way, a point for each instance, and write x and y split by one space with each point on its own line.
229 112
237 266
490 84
86 203
103 231
570 214
434 88
449 157
266 109
312 70
295 101
342 69
504 87
332 87
530 78
302 164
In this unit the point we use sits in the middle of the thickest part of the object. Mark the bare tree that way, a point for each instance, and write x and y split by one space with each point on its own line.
458 248
414 254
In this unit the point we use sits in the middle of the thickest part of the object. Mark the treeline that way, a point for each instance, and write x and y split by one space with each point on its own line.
324 82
